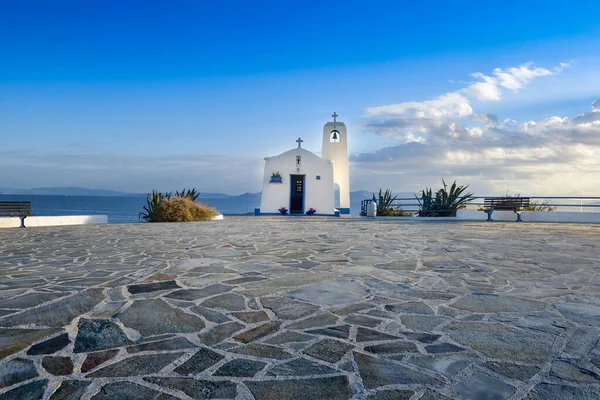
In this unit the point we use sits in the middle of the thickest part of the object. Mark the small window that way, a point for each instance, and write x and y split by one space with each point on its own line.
318 177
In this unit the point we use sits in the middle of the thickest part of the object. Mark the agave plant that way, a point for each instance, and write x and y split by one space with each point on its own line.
153 200
445 203
384 202
191 194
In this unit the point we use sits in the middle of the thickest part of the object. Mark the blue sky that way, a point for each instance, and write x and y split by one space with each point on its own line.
140 95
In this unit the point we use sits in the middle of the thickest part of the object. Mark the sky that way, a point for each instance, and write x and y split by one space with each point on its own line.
131 95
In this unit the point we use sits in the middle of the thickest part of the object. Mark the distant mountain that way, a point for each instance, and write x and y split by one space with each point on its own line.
366 194
4 190
360 194
250 196
214 196
77 191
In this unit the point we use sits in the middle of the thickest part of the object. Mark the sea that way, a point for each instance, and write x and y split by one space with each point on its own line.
126 209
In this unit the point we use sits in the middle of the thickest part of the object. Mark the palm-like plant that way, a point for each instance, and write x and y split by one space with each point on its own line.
384 200
152 201
445 203
191 194
385 205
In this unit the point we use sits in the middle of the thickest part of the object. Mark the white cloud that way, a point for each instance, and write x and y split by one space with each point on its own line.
561 66
456 141
451 105
450 114
514 79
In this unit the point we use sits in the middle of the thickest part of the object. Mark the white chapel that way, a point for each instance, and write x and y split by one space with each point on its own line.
298 180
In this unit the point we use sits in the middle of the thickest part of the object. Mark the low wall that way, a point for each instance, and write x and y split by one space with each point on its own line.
532 216
30 222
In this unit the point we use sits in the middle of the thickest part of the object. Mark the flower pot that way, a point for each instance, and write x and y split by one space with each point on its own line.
275 179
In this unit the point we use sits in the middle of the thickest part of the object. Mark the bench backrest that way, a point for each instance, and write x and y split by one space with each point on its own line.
15 207
507 203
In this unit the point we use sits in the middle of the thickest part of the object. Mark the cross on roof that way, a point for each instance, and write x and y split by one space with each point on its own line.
334 116
299 141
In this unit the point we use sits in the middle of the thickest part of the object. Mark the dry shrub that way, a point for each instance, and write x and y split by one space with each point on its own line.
182 209
202 212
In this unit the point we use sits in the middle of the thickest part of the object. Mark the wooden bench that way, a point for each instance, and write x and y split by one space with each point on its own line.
21 209
515 204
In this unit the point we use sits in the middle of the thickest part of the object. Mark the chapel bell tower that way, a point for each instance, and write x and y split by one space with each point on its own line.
335 148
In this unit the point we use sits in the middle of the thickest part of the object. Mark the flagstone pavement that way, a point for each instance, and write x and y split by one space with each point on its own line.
301 308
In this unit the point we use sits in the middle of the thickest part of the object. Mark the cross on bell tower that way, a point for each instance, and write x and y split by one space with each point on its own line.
334 115
299 141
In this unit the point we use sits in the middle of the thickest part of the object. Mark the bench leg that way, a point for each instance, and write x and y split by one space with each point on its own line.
22 222
518 216
489 214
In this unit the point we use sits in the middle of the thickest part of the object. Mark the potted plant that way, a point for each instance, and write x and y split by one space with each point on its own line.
283 210
276 177
311 211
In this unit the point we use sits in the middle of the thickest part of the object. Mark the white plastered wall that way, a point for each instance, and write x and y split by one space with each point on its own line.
33 221
337 152
318 193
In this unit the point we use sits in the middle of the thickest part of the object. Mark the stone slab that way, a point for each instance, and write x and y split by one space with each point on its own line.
329 350
334 292
480 385
30 391
15 371
155 317
57 314
153 287
197 388
240 368
376 373
201 360
70 390
136 365
96 335
50 346
129 391
333 388
14 340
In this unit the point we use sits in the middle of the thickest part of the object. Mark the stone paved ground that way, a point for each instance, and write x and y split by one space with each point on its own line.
307 308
